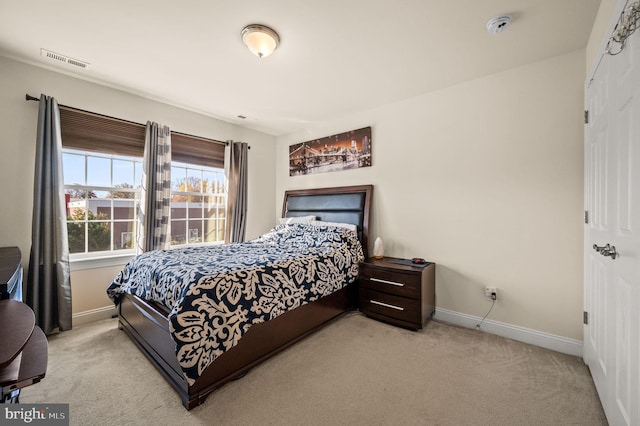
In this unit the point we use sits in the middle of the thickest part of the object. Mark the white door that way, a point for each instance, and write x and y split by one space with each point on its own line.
612 192
598 147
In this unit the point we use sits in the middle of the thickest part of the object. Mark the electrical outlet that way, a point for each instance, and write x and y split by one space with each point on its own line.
491 293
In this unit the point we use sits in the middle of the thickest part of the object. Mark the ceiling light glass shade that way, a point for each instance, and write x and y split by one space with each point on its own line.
260 40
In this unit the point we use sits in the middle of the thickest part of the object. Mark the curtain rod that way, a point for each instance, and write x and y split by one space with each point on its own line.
33 98
28 97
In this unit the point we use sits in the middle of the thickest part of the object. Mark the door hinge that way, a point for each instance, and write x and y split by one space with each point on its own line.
586 117
585 317
586 216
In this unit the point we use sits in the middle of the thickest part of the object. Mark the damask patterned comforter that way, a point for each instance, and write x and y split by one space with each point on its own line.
216 293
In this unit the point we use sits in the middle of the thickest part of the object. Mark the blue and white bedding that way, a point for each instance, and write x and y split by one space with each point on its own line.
216 293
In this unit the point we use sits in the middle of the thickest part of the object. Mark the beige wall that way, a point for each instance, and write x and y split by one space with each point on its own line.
18 120
89 295
485 179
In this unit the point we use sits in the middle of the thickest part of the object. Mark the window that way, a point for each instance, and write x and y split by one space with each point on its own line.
102 167
102 193
198 201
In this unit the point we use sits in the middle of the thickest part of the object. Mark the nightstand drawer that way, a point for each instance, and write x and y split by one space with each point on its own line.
390 306
394 282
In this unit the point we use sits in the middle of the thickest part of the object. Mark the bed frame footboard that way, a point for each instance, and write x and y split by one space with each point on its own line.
148 327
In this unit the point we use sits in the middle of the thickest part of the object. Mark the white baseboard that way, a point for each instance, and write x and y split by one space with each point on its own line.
93 315
521 334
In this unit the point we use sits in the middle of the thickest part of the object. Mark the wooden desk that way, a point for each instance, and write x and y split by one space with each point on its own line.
24 352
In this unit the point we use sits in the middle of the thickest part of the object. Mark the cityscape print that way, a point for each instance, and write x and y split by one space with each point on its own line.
348 150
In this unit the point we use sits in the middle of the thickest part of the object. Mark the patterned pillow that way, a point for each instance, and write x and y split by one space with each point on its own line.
337 224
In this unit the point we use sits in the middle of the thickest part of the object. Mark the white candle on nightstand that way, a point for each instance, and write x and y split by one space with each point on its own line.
378 248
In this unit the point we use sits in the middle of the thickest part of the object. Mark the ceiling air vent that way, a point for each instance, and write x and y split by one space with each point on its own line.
65 59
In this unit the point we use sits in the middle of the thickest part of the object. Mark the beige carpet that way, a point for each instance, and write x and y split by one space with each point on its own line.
355 371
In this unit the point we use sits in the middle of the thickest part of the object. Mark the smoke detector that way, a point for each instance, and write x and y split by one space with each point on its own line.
64 59
498 24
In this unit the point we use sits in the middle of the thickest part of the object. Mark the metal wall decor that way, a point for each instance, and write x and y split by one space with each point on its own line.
344 151
627 24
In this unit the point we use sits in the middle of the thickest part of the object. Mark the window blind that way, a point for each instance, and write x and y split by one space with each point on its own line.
196 150
89 131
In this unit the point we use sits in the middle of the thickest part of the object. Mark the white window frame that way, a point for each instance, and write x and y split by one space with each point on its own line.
93 259
220 223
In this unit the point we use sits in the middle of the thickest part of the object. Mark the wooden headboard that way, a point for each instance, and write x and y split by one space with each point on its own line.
345 204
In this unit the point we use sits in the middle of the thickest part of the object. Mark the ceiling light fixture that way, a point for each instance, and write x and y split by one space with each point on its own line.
261 40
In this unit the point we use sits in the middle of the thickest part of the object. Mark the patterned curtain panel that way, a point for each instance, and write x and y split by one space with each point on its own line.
48 282
155 199
237 194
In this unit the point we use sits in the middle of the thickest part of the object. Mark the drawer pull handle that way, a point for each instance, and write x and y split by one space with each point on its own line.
386 305
387 282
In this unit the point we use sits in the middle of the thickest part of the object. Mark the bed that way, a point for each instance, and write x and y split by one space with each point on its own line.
150 326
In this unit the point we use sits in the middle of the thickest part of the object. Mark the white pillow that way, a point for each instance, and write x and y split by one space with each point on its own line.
337 224
307 220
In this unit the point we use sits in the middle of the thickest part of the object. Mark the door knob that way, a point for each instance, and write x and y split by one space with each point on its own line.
609 251
599 248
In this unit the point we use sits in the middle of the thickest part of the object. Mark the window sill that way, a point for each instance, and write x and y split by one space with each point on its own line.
214 243
82 263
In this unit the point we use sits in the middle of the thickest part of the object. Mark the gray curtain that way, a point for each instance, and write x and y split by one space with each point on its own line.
155 199
48 282
237 194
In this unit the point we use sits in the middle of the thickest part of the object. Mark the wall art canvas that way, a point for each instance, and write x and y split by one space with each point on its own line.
348 150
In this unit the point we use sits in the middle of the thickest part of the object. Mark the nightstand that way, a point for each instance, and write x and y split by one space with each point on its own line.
402 295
